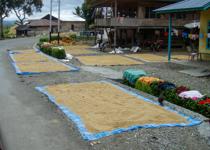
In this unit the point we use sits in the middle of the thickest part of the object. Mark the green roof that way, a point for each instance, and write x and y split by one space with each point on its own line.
186 5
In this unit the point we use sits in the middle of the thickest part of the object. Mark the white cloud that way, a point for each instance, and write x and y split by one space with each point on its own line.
67 7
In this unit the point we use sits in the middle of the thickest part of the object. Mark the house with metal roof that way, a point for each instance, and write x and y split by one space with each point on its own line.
201 6
41 25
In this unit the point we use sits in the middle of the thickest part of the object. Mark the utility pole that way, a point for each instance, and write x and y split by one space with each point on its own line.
50 29
115 28
59 7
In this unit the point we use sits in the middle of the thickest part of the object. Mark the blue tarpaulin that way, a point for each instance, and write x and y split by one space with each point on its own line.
95 136
19 72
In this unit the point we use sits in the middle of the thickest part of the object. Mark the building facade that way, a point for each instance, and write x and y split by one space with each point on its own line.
194 6
135 22
41 26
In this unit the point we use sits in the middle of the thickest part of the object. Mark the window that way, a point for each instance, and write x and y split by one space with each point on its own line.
208 36
72 27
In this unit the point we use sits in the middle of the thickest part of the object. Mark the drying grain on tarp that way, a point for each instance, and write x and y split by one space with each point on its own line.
26 51
38 67
107 60
72 47
32 62
148 57
29 57
103 107
180 57
79 50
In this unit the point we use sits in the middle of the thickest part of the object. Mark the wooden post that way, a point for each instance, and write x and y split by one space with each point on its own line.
115 9
106 13
1 28
169 37
115 37
50 30
59 11
96 25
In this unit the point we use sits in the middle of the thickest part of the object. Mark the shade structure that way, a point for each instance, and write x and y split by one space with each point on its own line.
186 5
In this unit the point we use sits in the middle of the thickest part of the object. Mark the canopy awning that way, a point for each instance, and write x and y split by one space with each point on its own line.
185 5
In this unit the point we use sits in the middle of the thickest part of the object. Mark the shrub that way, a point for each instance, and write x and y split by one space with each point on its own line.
46 39
47 50
155 88
43 39
143 87
168 91
73 36
54 38
58 52
171 96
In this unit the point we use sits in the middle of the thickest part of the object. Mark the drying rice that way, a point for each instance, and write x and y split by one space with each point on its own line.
103 107
37 67
29 57
107 60
148 57
79 50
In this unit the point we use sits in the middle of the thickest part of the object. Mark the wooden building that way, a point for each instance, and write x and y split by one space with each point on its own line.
194 6
134 22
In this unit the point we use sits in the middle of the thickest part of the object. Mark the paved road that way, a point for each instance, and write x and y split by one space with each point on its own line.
26 121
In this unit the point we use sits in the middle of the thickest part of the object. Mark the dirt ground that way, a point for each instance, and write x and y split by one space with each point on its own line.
29 121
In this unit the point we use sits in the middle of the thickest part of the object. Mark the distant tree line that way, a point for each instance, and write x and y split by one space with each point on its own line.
21 8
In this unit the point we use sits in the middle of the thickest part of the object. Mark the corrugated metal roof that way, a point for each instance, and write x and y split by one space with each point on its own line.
186 5
65 17
22 27
41 23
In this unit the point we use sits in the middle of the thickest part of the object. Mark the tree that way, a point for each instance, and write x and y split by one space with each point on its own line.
78 12
5 8
22 8
86 12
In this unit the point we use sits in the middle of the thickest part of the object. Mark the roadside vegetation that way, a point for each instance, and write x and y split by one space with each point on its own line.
56 50
21 8
9 31
168 91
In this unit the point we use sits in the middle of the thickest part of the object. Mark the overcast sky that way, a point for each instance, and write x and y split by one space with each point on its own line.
67 6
